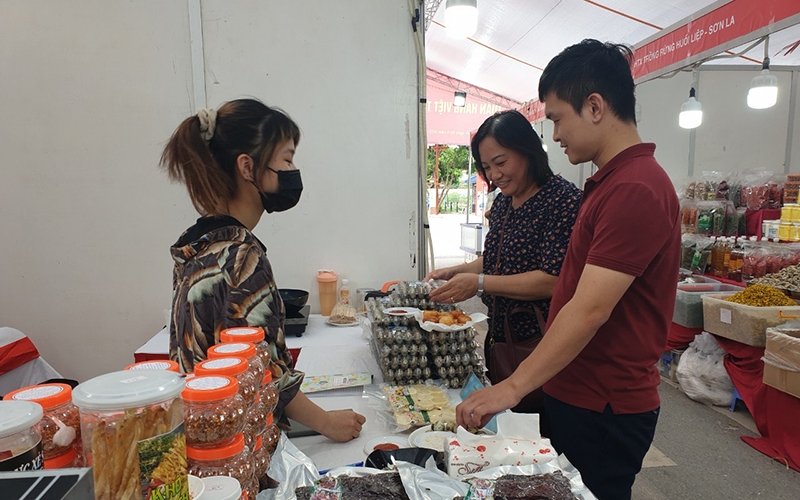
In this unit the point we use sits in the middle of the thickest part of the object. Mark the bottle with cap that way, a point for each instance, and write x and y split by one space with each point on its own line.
344 292
326 280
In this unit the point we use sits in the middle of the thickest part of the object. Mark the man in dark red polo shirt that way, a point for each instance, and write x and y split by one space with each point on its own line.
613 303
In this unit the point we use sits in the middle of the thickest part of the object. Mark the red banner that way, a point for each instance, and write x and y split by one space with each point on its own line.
449 124
710 33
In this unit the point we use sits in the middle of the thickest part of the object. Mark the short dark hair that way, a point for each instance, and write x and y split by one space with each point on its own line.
591 67
513 131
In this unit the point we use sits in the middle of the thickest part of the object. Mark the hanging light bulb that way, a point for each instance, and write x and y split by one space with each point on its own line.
691 115
461 17
763 91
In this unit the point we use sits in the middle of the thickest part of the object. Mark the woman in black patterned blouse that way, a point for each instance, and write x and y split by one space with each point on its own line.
529 227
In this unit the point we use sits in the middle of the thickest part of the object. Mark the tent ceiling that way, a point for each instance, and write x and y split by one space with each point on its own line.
516 38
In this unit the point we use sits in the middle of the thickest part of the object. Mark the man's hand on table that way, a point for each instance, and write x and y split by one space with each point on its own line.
483 404
342 425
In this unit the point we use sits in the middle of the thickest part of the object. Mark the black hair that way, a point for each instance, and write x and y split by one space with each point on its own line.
591 67
208 167
513 131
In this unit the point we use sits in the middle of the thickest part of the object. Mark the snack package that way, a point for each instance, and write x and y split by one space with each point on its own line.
482 484
517 442
416 406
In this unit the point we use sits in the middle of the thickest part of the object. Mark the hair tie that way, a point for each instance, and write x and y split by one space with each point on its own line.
208 122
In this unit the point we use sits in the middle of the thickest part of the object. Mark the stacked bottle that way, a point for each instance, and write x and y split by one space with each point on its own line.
214 417
214 411
232 459
236 367
256 412
253 334
60 426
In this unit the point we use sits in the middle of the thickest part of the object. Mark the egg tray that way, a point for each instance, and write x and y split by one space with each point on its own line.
406 355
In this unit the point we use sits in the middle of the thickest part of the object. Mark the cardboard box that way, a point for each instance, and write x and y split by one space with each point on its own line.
783 380
742 323
782 360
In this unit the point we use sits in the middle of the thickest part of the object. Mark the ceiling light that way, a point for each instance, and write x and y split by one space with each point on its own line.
459 99
691 112
461 17
763 91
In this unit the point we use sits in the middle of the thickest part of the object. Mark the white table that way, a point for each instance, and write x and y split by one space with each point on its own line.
317 333
328 350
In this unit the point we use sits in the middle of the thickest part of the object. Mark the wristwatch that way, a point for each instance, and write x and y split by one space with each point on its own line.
480 285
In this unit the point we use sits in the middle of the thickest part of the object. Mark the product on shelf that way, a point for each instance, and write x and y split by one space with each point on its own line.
60 426
232 459
214 411
236 367
252 334
20 441
761 296
133 437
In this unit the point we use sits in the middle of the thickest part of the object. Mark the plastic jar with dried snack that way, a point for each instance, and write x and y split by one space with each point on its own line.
165 364
269 392
133 437
213 410
256 422
245 350
253 334
271 436
236 367
260 458
232 459
20 441
63 461
60 426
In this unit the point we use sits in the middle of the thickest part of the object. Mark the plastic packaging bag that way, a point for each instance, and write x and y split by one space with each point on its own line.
291 468
517 442
478 483
701 373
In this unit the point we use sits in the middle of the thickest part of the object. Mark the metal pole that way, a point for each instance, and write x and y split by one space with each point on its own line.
469 186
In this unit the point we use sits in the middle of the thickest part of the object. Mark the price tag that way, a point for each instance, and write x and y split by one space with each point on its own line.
725 316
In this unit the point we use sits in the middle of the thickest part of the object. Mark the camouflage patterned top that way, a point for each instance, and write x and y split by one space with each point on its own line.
222 279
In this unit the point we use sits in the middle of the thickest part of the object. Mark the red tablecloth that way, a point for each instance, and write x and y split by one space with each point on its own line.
16 349
680 337
776 413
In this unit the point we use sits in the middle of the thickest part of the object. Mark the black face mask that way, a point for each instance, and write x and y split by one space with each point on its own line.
290 186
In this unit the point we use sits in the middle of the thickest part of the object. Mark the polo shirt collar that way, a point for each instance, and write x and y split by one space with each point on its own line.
623 157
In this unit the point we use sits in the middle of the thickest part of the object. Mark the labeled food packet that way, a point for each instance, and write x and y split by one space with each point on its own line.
517 442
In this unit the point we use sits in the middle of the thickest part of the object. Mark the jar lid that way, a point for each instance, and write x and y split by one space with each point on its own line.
16 416
221 488
227 450
125 389
63 461
326 276
259 442
164 364
231 365
252 334
210 388
267 377
244 349
47 395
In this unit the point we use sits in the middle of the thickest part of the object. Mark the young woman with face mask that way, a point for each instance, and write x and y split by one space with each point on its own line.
238 162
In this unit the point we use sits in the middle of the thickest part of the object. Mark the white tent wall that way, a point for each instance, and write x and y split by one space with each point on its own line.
93 89
732 137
